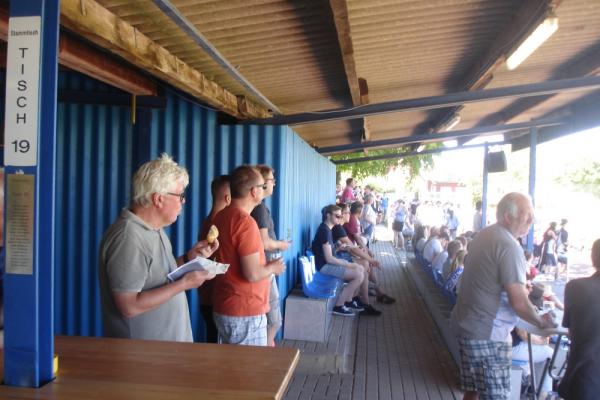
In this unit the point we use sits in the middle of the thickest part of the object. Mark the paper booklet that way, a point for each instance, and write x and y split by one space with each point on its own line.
198 264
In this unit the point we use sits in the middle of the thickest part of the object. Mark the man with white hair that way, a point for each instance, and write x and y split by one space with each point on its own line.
491 299
136 255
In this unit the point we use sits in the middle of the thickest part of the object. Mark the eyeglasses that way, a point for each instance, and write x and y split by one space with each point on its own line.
272 179
262 185
180 195
338 216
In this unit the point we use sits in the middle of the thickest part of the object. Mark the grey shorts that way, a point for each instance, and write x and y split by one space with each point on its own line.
485 367
333 270
250 331
274 314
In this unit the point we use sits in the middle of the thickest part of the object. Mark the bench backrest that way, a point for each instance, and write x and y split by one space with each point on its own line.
306 271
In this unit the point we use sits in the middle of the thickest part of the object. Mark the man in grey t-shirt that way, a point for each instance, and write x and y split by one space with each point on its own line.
491 298
136 256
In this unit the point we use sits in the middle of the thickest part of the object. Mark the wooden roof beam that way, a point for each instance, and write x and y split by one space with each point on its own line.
359 90
527 18
94 22
82 57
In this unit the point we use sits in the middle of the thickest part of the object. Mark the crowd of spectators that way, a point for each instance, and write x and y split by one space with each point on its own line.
239 306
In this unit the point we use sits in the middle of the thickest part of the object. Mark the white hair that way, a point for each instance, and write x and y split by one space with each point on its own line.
156 176
509 204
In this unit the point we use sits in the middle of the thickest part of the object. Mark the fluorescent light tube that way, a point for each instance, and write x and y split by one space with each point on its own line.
452 123
535 40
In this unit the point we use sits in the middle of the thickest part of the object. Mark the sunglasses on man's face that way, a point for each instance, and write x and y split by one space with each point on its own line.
338 216
262 185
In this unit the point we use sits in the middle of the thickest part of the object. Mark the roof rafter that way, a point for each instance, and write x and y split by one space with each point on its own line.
89 19
359 89
587 64
527 18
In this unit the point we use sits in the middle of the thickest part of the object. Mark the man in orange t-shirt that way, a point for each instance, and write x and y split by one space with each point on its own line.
241 296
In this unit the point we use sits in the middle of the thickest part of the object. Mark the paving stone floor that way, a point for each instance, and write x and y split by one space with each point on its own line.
399 355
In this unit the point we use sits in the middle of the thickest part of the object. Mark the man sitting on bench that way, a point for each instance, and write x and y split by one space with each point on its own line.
351 251
327 263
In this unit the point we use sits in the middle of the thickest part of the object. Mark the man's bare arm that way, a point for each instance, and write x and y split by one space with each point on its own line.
271 244
254 272
517 295
131 304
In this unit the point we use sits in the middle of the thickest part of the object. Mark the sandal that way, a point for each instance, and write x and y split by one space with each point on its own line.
385 299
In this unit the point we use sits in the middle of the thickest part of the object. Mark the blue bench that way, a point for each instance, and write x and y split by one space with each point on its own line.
315 284
308 313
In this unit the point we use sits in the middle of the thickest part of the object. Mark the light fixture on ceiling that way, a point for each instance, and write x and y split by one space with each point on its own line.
533 41
452 122
420 148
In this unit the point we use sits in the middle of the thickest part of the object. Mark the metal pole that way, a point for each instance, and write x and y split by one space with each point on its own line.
29 156
172 12
484 190
432 102
411 153
436 137
532 165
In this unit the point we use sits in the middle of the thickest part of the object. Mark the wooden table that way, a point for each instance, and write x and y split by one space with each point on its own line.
102 368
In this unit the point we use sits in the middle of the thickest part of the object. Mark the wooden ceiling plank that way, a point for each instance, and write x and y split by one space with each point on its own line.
81 57
97 24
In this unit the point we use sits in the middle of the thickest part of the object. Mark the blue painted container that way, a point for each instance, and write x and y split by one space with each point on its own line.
99 149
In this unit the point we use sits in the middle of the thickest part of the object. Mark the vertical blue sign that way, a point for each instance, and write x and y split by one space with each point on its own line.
30 148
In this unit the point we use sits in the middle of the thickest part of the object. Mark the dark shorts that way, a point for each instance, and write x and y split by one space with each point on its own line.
549 259
562 258
485 368
397 226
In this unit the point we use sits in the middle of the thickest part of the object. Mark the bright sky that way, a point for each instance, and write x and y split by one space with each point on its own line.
553 158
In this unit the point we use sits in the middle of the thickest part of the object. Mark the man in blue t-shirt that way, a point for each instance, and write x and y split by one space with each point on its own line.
327 263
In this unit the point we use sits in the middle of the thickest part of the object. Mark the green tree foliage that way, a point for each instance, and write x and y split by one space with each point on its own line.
412 165
585 178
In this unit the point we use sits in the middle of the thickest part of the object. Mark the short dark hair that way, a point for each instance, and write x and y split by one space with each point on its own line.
218 183
356 207
242 179
349 181
330 209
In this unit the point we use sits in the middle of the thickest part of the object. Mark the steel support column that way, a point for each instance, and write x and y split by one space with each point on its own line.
433 102
30 188
484 190
532 165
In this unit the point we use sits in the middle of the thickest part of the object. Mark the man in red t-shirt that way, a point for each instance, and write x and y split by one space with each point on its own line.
348 193
241 296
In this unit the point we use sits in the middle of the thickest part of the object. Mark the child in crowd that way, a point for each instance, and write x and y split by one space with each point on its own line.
531 271
456 270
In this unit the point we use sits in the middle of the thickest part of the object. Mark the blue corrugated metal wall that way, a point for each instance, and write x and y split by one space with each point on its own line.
98 149
93 174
